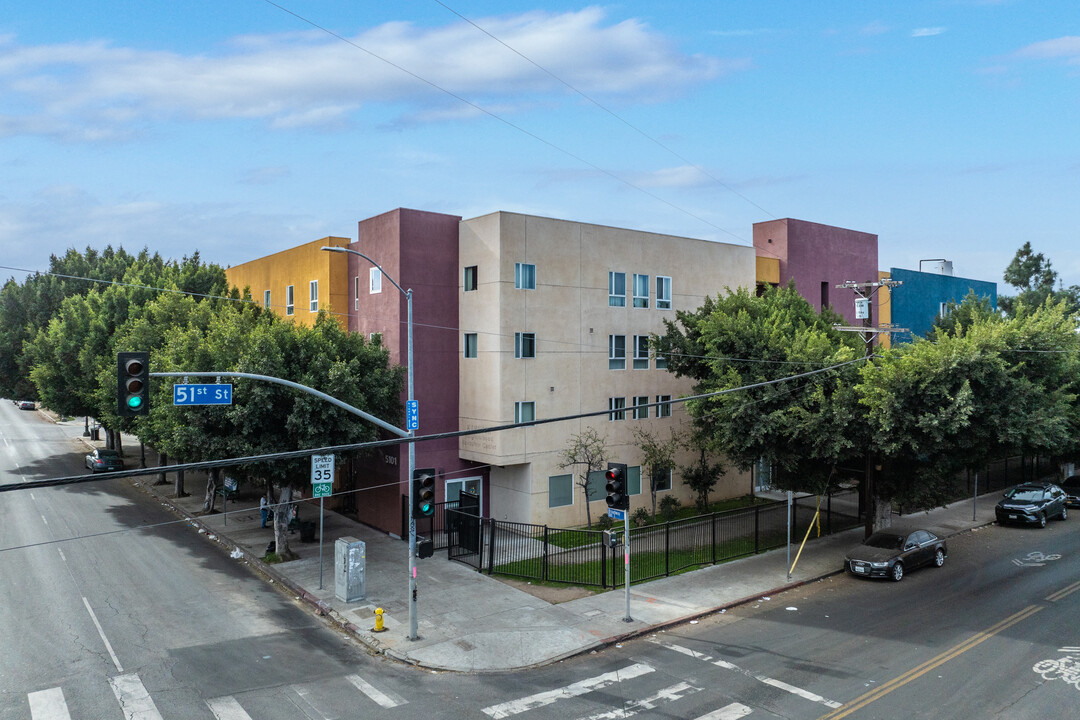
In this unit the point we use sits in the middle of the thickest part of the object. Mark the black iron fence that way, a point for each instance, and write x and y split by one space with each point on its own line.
578 557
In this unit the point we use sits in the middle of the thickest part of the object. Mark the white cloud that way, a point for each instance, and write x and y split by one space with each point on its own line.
1067 47
95 90
927 31
684 176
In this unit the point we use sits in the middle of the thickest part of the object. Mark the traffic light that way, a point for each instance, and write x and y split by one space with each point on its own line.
615 485
132 384
423 492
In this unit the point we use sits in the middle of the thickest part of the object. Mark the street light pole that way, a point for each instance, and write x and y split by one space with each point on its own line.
412 446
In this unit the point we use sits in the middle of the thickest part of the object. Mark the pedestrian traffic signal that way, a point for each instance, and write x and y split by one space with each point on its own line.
423 492
132 384
615 485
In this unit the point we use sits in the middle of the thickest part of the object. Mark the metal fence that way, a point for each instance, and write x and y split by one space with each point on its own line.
578 557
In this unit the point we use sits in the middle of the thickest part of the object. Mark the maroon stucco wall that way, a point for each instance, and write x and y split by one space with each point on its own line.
812 254
420 251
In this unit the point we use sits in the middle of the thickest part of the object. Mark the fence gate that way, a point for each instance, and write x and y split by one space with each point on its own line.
465 531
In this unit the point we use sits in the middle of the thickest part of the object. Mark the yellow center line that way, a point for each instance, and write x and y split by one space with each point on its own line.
1063 592
937 661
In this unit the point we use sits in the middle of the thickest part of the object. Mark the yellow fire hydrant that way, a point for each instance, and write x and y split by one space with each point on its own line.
378 621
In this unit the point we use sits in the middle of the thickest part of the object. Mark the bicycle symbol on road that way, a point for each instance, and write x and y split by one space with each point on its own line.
1066 668
1036 559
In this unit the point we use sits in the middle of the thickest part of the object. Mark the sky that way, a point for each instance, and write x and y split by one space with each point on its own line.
238 128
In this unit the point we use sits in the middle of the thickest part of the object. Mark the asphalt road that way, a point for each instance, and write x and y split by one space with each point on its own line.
112 609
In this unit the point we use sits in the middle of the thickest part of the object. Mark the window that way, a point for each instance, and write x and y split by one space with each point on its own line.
524 276
943 310
663 410
616 352
663 293
660 362
289 300
266 298
661 479
633 480
468 280
313 296
375 337
616 289
524 345
824 295
641 410
560 490
356 293
641 352
596 486
641 291
374 281
469 345
617 406
524 412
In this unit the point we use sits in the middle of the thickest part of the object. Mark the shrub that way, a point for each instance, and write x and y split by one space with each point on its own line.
641 517
669 507
604 522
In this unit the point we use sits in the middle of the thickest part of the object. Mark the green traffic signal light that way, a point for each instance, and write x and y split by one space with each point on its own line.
132 384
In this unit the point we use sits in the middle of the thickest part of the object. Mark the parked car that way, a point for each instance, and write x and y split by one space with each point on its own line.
1071 486
26 405
1032 504
104 461
890 553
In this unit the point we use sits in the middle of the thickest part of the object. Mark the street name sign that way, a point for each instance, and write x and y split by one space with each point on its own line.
616 514
202 394
412 414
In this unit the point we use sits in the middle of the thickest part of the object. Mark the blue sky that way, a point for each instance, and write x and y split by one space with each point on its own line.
243 127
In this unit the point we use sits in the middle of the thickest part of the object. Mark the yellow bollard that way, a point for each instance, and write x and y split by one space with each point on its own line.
378 621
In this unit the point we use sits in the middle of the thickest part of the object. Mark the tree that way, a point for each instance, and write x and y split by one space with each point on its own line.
658 457
1033 275
701 476
588 451
806 428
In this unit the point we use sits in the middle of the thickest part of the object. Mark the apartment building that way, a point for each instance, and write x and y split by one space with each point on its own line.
555 319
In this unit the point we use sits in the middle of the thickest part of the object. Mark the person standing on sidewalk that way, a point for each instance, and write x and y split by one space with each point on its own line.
264 509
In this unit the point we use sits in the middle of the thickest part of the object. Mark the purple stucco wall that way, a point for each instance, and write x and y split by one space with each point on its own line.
813 254
420 251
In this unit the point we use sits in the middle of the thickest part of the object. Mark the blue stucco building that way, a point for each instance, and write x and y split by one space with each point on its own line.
925 295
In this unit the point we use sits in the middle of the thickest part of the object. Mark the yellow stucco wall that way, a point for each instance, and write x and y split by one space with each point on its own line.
884 309
298 267
768 270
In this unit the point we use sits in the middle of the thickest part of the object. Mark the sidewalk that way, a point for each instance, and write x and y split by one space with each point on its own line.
476 623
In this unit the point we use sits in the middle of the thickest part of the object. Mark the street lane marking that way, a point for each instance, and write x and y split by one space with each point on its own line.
48 705
734 711
778 684
133 698
513 707
633 707
108 646
934 662
374 693
1063 592
227 708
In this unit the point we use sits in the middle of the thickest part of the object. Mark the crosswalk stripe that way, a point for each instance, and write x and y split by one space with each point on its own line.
227 708
734 711
48 705
778 684
513 707
133 698
374 693
633 707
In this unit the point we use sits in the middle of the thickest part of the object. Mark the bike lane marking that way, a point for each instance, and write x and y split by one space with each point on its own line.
934 662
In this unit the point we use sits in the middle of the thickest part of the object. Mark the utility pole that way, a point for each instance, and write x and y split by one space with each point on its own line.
865 293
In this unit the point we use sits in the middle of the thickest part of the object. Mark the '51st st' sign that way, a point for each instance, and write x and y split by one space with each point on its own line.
202 394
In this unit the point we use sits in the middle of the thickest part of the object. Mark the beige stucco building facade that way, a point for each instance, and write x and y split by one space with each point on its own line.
555 317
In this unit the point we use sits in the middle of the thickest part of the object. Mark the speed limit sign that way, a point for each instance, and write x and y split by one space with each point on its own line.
322 469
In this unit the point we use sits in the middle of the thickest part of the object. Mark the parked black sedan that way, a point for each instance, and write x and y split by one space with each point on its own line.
1032 504
1071 486
104 461
889 553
